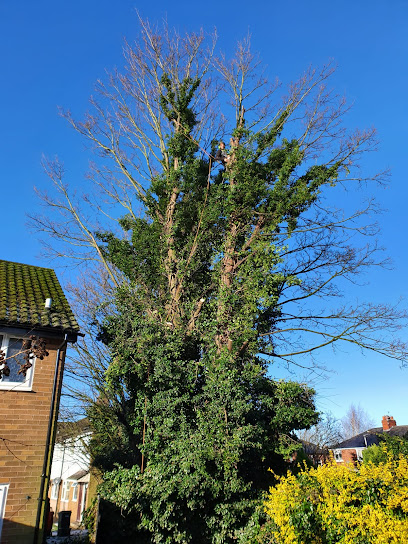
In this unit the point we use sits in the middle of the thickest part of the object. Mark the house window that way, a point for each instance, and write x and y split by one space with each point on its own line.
75 491
12 348
65 491
338 456
3 497
54 491
359 456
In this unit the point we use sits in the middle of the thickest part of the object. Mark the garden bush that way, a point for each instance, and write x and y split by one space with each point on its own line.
346 504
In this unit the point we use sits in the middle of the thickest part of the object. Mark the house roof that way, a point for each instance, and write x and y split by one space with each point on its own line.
79 475
312 449
23 291
370 437
72 429
362 440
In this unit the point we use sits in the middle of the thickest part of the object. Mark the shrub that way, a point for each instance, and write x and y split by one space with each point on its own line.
342 504
394 446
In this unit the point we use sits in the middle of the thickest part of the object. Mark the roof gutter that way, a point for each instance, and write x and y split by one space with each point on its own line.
8 327
49 441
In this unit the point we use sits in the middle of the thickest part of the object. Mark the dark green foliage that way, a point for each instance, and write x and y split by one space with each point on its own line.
302 460
393 446
212 254
189 421
212 430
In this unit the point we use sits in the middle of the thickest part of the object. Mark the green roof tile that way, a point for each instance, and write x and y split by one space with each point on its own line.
23 290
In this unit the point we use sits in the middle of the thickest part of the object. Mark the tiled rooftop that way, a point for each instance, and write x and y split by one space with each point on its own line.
370 437
23 291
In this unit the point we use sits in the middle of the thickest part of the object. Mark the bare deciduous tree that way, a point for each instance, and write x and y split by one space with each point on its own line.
225 261
356 421
324 434
128 133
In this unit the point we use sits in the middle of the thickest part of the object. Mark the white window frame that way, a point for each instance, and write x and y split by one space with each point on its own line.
359 454
54 491
65 491
75 486
3 499
338 456
84 497
27 384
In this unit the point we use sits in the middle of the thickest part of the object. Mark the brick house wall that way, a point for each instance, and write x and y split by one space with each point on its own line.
351 450
349 456
23 432
32 306
76 503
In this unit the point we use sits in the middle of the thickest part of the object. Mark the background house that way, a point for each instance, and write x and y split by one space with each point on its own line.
316 453
70 470
351 450
30 398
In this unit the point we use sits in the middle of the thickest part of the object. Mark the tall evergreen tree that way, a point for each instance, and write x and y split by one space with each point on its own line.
205 421
213 274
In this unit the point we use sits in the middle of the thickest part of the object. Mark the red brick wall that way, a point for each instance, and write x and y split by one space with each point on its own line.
71 505
349 456
23 431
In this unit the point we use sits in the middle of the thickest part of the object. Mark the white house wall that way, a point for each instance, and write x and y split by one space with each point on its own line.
70 457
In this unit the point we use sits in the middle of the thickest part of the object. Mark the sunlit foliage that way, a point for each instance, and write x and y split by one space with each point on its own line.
342 504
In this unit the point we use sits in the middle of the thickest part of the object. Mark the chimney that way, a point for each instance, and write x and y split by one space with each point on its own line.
388 422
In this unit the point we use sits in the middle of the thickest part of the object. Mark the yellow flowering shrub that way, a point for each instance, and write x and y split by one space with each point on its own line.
342 504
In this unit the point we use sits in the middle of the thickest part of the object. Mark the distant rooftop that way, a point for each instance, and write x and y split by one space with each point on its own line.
72 429
370 437
23 291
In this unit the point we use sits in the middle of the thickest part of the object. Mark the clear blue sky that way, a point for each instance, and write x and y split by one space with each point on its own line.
53 51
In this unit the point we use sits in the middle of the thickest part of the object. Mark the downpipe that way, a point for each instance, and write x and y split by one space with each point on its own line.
47 466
